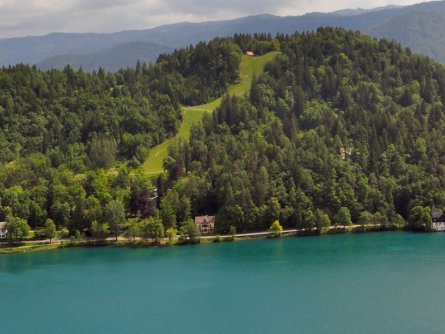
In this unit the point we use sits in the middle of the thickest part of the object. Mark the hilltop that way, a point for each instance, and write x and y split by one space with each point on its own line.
420 27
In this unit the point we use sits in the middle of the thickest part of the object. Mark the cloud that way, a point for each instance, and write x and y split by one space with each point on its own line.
104 4
193 7
36 17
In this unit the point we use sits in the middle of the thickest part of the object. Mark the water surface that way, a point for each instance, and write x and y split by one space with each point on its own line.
373 283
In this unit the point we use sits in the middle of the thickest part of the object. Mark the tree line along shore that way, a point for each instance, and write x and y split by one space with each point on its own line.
53 239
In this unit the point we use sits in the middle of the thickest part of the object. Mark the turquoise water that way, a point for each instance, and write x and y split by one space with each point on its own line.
373 283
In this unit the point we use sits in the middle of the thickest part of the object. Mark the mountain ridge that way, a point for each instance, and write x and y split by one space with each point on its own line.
111 59
388 22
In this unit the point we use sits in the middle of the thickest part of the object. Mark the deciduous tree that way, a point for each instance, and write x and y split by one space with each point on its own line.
115 217
276 229
50 230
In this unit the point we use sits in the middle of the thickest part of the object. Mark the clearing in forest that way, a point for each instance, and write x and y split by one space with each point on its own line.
191 115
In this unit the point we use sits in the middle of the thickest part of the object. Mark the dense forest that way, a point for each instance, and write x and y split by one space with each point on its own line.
339 129
68 139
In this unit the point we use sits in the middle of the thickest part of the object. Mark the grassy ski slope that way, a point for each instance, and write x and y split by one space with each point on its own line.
192 115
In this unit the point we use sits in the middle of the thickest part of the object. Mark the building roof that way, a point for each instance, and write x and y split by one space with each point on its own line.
250 53
436 213
204 219
2 225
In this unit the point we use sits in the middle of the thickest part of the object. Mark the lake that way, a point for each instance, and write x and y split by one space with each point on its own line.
370 283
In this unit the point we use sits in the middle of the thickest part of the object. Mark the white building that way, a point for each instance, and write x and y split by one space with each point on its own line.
438 223
439 226
2 230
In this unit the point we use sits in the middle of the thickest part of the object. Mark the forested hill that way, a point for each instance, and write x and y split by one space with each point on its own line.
60 130
124 113
341 128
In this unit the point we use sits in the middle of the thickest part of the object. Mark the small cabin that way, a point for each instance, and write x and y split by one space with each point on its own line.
438 219
206 224
250 53
2 230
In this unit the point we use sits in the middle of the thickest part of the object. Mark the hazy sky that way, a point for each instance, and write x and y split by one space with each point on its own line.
37 17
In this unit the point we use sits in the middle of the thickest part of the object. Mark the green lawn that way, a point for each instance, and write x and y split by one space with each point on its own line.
192 115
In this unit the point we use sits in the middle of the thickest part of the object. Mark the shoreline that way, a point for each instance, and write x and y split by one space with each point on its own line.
36 246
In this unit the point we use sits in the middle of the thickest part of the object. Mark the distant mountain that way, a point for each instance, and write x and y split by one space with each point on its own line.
111 59
420 27
359 11
423 31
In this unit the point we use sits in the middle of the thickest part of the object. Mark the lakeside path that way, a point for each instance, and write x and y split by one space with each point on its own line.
249 67
287 232
41 245
254 234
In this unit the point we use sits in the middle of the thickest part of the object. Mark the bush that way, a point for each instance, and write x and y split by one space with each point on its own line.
232 230
276 229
